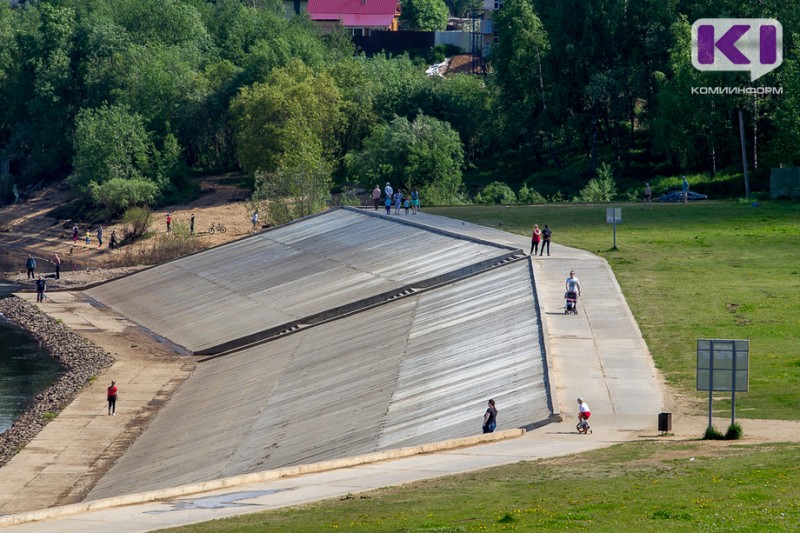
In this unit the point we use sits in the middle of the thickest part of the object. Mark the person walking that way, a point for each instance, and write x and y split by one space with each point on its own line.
57 263
254 220
648 195
685 190
100 237
88 237
414 201
547 234
169 222
112 399
75 232
41 287
536 238
376 196
490 418
388 191
398 199
30 265
191 224
573 284
112 243
388 203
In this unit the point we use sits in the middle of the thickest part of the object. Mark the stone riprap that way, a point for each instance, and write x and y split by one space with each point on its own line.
80 358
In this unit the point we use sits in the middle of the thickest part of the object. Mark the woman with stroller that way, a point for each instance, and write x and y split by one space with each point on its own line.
573 288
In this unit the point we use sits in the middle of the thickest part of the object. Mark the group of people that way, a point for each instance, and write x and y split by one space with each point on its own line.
408 202
540 237
113 242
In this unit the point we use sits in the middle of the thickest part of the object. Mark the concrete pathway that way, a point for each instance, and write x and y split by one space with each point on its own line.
69 455
598 354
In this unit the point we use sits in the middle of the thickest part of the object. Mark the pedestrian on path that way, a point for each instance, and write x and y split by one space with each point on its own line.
490 418
191 224
398 200
547 234
112 399
254 220
41 287
30 265
414 201
75 232
376 196
388 203
388 191
169 222
57 263
100 237
112 243
583 410
536 238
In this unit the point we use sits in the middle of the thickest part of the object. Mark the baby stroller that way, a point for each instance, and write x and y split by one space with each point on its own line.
571 305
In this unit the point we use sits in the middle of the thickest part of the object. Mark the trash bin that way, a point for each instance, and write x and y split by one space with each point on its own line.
664 422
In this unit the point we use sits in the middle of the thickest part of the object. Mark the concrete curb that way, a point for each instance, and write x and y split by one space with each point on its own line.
256 477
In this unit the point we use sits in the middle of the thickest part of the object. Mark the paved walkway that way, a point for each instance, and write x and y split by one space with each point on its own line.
598 354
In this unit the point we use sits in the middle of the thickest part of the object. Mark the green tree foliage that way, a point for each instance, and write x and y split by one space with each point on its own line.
496 193
425 153
424 15
116 161
599 189
530 196
296 110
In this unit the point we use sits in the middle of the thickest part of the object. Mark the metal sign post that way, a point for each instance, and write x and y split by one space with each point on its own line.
614 215
722 364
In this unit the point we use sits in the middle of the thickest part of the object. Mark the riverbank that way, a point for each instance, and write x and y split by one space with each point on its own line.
82 360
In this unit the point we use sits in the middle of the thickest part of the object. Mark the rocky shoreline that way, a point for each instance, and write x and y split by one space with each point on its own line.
81 359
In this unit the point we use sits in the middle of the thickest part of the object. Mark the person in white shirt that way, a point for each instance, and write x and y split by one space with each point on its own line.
583 410
388 191
573 284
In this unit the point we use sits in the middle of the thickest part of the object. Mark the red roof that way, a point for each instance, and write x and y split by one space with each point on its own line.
366 13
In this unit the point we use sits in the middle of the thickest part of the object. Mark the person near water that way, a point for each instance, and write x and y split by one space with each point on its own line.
30 265
112 398
41 287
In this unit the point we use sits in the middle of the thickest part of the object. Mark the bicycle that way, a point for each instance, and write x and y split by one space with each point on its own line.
216 227
583 426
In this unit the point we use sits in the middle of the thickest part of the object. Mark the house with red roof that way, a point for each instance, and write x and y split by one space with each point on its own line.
361 17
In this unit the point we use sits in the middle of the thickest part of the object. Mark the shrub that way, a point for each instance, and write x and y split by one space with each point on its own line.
713 434
530 196
496 193
118 194
136 221
165 247
600 189
734 432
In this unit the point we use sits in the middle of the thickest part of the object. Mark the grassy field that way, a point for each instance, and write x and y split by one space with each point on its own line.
707 269
643 486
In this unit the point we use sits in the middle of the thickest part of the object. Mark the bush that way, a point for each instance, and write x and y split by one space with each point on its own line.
600 189
713 434
165 247
530 196
118 194
496 193
136 221
734 432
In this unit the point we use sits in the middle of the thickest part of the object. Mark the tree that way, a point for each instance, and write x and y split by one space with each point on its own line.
294 108
115 161
424 15
426 153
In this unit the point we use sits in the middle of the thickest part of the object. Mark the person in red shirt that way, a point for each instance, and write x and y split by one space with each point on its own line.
112 399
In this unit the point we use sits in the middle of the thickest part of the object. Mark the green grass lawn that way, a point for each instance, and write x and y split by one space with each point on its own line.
642 486
703 270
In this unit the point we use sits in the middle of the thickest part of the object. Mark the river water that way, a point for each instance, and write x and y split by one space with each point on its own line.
26 369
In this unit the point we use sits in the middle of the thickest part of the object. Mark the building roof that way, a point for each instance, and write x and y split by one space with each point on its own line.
365 13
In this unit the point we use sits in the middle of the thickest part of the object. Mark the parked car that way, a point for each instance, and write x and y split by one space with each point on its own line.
677 196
